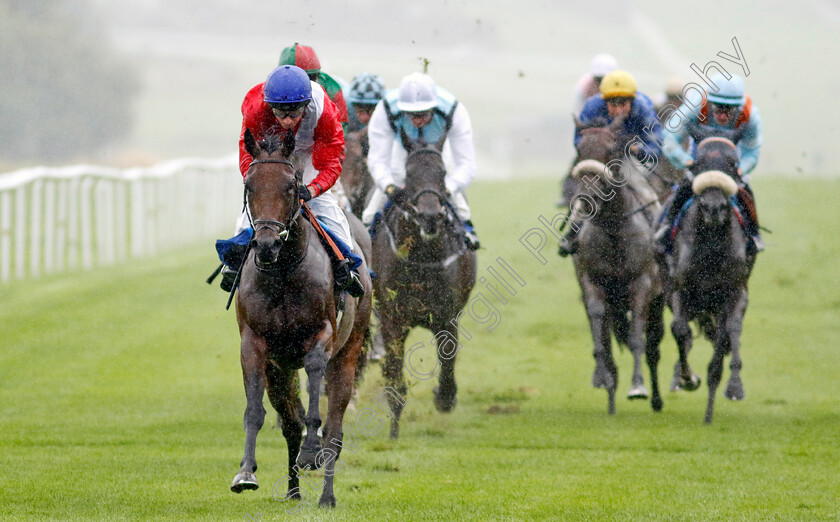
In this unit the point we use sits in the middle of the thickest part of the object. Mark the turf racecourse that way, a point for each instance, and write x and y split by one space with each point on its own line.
121 398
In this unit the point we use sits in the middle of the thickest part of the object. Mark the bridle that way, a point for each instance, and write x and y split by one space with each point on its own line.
281 228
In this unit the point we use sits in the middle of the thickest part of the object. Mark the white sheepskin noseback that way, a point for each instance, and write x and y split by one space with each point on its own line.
714 178
588 166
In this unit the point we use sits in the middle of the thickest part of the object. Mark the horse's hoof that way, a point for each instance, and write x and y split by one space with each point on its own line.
602 379
327 502
308 458
444 403
638 392
244 480
675 384
690 385
734 392
656 403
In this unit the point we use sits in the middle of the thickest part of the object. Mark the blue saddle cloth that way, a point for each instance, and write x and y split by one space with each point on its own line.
244 237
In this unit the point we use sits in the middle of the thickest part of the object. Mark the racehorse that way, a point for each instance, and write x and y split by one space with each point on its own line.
615 264
424 273
358 185
708 270
286 310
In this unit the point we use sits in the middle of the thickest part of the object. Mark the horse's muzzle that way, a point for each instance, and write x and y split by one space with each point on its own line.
266 251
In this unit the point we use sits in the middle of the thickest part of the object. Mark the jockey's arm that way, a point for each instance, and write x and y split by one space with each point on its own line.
750 144
675 132
252 118
460 139
328 149
381 139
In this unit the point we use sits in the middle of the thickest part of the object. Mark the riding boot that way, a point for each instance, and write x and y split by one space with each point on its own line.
347 279
662 236
233 259
746 200
569 244
470 237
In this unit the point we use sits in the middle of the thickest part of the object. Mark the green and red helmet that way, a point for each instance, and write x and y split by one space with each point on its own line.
302 56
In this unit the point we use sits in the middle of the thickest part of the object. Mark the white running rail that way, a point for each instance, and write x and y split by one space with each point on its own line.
58 219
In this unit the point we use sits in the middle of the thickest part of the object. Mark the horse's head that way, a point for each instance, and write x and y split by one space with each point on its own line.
271 195
712 191
425 176
600 141
717 153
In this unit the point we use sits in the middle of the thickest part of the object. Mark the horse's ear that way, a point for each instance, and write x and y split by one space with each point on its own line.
251 143
616 124
578 123
738 135
288 146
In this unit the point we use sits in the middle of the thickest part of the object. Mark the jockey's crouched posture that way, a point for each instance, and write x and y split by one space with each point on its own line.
619 99
289 102
728 109
425 112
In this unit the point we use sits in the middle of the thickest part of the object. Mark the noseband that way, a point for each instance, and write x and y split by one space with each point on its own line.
282 229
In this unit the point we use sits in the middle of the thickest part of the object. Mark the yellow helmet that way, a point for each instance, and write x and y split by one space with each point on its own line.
618 84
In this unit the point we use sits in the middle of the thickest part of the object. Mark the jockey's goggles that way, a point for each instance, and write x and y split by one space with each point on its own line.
419 115
282 114
720 107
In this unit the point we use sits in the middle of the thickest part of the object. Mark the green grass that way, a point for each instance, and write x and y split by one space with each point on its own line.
121 398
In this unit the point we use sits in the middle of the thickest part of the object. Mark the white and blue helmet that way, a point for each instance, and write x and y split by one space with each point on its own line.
366 89
730 92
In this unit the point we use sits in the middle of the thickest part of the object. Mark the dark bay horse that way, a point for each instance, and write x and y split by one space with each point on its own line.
358 185
708 270
286 310
615 264
424 273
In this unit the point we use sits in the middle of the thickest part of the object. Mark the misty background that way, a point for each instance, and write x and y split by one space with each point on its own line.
135 82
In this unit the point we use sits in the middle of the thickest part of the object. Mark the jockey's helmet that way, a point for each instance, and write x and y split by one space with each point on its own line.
301 55
618 84
287 86
602 65
417 93
366 89
730 92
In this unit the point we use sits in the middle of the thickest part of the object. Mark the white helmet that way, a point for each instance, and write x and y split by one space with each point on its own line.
417 93
602 65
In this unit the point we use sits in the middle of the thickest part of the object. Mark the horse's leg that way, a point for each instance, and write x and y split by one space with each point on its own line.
315 364
605 375
446 339
283 392
716 364
394 337
655 330
734 324
684 377
640 301
340 374
253 359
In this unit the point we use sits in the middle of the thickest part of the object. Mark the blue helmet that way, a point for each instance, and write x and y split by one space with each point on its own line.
730 92
288 85
366 89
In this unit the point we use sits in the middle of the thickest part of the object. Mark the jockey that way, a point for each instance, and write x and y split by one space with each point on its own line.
304 57
364 93
289 102
727 109
589 83
619 98
425 112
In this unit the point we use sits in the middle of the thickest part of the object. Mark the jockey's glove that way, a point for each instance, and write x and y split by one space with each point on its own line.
396 194
303 192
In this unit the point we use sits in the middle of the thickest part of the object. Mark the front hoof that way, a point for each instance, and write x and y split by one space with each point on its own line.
244 480
602 379
734 392
690 384
308 458
444 401
656 403
327 502
638 392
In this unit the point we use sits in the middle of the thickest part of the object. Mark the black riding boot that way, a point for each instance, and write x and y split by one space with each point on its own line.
347 279
681 196
470 237
233 260
569 243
